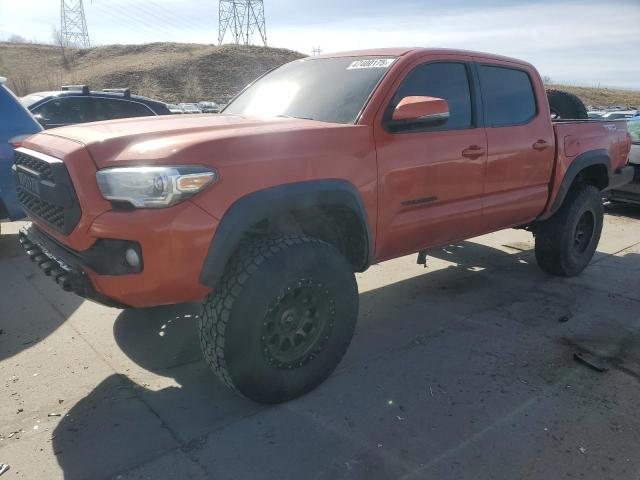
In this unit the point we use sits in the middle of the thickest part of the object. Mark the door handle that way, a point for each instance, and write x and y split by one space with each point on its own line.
473 152
540 145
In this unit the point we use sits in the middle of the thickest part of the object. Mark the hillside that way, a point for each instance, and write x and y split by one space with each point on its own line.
176 72
602 97
168 71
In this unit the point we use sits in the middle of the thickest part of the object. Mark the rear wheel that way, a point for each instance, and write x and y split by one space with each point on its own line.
281 319
566 243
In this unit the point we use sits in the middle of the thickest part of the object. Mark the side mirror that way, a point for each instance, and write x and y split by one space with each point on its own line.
424 111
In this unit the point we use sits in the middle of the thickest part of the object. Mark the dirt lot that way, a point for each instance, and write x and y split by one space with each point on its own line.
463 370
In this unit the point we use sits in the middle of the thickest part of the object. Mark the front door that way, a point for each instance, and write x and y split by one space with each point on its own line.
431 179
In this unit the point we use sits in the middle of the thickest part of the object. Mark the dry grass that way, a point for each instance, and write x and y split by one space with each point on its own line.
165 69
176 72
602 97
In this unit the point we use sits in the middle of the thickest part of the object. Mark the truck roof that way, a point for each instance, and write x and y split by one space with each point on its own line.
401 52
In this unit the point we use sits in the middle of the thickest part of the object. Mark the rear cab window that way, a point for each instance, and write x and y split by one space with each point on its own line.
508 96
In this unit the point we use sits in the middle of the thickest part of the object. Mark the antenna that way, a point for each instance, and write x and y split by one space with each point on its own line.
242 18
73 24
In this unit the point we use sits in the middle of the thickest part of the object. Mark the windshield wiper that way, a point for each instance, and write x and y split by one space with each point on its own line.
282 115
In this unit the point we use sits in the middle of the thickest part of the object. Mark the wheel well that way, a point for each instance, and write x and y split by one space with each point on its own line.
339 226
596 175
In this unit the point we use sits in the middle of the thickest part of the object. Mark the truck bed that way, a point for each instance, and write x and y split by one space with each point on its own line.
575 137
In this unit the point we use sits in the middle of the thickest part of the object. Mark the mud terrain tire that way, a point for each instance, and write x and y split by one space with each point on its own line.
566 105
281 318
566 242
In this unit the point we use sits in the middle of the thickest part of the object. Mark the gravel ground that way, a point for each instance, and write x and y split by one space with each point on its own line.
477 367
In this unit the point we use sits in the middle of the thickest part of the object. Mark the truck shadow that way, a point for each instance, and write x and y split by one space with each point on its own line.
126 422
32 305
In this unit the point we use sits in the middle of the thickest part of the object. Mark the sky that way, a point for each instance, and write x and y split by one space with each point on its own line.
588 42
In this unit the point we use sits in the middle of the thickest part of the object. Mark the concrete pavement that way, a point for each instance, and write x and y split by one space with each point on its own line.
462 370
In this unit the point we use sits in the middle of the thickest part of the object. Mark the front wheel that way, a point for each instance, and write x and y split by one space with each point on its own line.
566 243
281 319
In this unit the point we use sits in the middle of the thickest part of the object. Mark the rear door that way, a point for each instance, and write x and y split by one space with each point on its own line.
431 179
520 141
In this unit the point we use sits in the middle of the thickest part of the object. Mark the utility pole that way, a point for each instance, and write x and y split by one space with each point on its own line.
73 24
316 51
242 18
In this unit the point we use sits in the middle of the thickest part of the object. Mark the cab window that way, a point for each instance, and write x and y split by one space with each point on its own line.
64 111
508 96
446 80
108 109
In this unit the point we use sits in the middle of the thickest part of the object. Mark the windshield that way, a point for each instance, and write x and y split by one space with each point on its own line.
31 99
327 89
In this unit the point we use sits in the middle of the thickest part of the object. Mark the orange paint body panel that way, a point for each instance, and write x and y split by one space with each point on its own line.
418 189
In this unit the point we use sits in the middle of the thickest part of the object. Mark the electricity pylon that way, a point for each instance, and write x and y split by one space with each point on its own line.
242 18
73 24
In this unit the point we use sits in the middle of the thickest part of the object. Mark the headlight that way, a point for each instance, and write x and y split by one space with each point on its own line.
153 187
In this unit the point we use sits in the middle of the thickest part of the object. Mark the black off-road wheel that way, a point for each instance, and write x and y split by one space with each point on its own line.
566 105
281 319
565 243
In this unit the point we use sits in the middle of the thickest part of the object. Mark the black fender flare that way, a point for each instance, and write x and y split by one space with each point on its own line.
254 207
580 163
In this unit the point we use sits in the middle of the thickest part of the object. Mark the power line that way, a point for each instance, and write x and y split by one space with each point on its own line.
73 24
242 18
134 23
186 21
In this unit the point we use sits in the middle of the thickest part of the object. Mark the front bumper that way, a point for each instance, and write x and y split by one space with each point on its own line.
63 265
173 245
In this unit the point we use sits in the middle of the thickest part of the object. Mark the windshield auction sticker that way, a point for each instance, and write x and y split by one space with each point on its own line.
371 63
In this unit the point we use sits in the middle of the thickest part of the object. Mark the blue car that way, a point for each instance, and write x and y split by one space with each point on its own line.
16 123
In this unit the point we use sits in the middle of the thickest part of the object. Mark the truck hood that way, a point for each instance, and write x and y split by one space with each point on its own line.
164 139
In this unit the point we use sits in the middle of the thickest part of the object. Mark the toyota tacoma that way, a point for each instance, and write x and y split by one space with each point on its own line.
315 171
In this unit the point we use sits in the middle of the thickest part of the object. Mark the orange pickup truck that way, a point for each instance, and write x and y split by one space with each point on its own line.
315 171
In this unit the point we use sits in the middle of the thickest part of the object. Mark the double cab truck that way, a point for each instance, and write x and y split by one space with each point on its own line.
319 169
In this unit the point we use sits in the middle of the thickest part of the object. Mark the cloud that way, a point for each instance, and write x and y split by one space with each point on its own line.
584 42
572 42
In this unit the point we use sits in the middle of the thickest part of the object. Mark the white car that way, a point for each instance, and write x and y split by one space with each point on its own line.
190 108
630 193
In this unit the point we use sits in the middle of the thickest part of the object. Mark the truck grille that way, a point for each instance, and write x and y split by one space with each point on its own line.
52 214
35 164
45 190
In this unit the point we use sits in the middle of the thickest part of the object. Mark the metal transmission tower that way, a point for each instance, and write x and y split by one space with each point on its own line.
73 25
242 18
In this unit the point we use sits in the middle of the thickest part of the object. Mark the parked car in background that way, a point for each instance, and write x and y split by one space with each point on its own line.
596 113
78 104
190 108
16 123
175 109
630 193
621 114
209 107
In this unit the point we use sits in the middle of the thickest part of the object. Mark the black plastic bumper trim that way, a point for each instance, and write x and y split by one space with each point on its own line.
67 270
